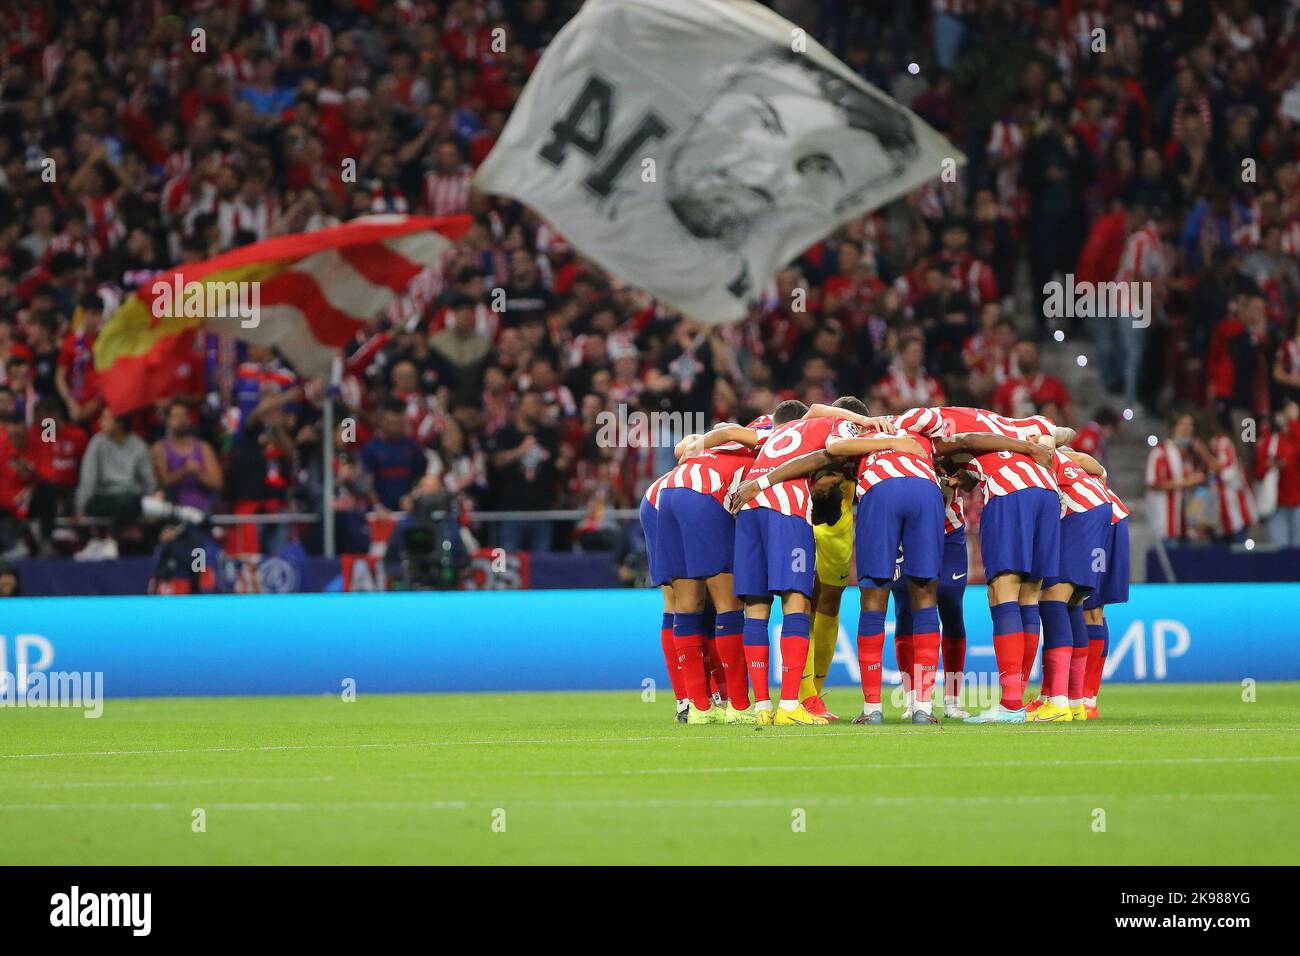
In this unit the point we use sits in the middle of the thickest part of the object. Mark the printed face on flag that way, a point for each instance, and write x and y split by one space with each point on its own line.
690 147
783 141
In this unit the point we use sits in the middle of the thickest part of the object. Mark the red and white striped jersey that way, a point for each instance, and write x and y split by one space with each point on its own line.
1143 256
716 471
954 513
1236 503
1002 472
922 421
446 194
930 423
656 486
237 215
1005 150
882 465
921 424
898 387
790 442
1032 425
1079 490
1165 463
1118 510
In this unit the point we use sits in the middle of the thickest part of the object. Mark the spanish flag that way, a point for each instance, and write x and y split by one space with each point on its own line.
306 294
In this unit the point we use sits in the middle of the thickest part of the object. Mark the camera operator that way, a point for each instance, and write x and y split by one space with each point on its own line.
426 551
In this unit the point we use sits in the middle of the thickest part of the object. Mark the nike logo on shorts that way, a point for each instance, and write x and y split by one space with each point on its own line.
958 577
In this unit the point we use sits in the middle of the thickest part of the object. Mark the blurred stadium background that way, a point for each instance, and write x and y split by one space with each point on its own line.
467 416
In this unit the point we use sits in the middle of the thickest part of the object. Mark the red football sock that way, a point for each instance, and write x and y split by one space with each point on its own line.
1096 664
1028 656
794 657
1009 650
713 666
690 656
732 651
954 664
1078 670
689 638
1056 670
905 651
670 657
871 652
926 658
756 662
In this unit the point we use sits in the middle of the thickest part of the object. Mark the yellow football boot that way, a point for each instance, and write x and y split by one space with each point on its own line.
1049 713
799 717
746 716
714 715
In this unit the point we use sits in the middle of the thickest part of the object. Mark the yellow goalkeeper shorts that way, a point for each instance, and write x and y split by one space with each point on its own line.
835 544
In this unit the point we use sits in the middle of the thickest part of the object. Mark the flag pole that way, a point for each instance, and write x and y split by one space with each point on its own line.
327 455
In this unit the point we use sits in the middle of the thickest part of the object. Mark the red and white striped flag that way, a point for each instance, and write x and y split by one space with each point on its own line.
306 294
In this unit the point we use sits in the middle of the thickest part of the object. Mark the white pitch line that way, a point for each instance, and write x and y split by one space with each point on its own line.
758 802
220 781
954 765
682 736
674 771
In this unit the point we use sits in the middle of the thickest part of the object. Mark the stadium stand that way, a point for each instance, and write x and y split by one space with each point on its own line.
1137 140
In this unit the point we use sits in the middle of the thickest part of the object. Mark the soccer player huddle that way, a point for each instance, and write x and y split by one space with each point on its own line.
786 507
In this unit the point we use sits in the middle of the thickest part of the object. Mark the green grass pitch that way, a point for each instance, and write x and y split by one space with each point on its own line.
1183 774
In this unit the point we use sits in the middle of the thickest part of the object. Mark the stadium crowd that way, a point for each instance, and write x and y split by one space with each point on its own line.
1167 151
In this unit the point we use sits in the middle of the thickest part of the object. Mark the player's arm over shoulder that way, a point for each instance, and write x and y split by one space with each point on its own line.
879 423
867 444
1085 461
720 435
980 443
796 468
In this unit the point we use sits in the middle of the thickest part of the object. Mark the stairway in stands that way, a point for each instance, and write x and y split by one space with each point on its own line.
1128 448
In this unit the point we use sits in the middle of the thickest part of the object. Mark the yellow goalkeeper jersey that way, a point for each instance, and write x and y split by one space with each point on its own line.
835 543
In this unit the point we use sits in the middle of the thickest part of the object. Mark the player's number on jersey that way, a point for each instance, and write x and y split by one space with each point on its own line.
586 126
783 444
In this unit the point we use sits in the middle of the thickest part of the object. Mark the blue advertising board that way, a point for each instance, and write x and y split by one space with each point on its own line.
556 640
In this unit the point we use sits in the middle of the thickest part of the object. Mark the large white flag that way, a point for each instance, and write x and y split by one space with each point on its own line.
694 147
